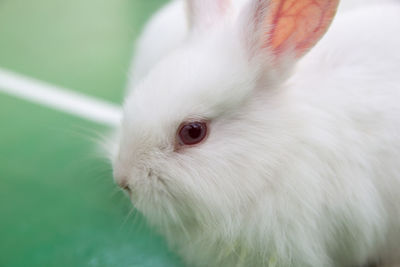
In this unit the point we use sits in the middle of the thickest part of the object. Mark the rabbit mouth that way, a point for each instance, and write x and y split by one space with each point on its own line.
149 186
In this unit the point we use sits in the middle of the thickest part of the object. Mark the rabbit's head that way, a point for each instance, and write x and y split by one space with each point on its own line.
205 133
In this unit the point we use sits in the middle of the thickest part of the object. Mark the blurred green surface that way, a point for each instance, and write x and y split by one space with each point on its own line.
80 44
58 203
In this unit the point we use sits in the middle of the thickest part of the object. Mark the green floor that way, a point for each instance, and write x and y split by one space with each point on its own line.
58 204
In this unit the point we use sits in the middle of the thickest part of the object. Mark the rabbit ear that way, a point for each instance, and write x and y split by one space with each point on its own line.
287 26
205 13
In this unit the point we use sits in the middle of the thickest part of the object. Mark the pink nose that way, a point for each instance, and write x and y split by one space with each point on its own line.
121 180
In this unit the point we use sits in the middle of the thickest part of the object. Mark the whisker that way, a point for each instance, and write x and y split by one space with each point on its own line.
132 211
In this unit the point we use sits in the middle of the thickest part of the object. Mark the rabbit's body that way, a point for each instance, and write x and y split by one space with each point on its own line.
352 105
311 175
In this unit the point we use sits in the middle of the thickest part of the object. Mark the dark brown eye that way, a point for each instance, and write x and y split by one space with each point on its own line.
191 133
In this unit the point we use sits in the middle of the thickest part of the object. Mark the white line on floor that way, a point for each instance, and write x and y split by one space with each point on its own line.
59 98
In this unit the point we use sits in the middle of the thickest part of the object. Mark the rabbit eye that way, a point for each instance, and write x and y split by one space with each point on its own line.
191 133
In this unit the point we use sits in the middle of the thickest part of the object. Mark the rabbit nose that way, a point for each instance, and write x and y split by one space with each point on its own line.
121 180
124 184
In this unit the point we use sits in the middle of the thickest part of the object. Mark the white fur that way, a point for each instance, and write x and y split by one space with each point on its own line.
302 163
166 29
350 5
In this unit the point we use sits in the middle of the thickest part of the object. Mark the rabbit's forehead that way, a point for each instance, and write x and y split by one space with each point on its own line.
202 84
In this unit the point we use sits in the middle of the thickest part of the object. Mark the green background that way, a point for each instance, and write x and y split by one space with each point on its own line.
58 203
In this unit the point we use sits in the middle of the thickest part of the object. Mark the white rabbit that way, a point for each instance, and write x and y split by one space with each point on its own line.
244 150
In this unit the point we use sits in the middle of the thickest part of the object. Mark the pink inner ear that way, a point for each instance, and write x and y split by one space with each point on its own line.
298 23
